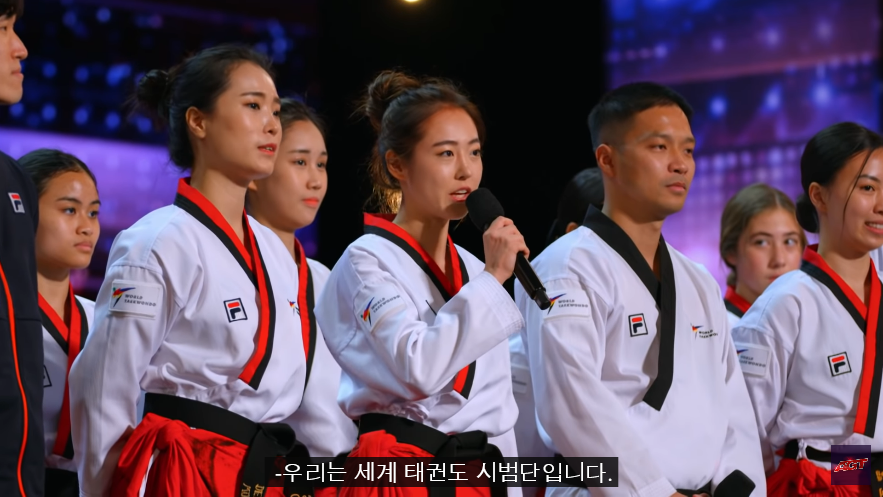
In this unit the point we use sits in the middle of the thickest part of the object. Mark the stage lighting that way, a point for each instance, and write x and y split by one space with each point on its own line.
412 1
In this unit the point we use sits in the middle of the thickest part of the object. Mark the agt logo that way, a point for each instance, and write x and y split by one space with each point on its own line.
850 465
17 206
118 294
235 310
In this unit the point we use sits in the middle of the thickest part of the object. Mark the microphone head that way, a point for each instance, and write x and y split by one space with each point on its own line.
483 208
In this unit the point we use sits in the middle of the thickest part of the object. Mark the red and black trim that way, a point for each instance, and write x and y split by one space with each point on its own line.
305 304
249 257
735 303
867 318
71 337
662 290
383 227
24 400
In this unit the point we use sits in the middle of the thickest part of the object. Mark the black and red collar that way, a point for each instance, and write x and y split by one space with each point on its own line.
735 303
382 226
71 337
867 318
249 257
305 303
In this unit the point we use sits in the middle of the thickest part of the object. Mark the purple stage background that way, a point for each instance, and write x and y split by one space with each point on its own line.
133 179
762 76
84 60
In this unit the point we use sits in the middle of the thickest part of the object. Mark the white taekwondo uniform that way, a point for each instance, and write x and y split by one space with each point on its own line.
414 346
62 343
802 347
186 310
626 365
332 432
527 435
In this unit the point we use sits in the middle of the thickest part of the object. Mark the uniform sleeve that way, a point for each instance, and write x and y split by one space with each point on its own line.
764 362
423 357
319 422
131 320
741 447
581 416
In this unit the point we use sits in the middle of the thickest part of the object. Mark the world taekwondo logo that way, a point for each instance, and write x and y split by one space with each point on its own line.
118 294
553 300
703 333
366 314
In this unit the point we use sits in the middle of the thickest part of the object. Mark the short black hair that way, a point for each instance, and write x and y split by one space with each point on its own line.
584 190
620 105
9 8
292 111
44 164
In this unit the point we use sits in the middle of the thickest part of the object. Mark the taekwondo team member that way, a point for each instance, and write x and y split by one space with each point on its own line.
66 237
196 307
22 468
760 241
813 337
634 359
418 325
584 189
286 201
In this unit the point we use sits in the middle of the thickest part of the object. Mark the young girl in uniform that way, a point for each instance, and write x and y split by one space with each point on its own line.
418 325
195 307
810 345
760 241
286 201
66 237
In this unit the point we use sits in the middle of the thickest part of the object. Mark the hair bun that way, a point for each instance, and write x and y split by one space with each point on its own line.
806 213
152 92
385 88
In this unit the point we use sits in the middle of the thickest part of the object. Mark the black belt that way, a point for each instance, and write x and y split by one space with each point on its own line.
61 483
470 445
736 484
792 449
264 440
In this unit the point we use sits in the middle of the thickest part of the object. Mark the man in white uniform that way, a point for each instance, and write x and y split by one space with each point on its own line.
634 359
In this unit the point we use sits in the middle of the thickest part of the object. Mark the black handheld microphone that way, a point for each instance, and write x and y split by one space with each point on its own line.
484 208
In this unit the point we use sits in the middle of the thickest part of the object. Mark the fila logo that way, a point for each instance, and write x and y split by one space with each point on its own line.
637 327
17 205
235 310
839 364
